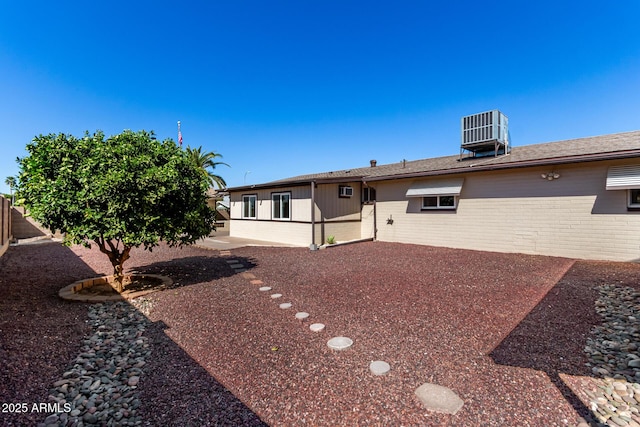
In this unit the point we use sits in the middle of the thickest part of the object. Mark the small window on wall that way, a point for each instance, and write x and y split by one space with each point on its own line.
345 191
634 198
281 206
439 202
249 206
368 195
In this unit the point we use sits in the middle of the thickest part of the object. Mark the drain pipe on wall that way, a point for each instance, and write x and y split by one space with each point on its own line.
313 245
375 221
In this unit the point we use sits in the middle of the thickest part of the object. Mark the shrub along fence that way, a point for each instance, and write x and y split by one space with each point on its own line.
5 224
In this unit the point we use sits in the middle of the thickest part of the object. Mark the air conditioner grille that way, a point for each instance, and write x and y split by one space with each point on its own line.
490 126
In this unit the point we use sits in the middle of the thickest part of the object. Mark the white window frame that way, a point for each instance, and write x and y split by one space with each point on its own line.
345 191
279 196
630 203
438 205
246 198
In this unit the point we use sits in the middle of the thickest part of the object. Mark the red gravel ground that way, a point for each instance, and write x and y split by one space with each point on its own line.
503 331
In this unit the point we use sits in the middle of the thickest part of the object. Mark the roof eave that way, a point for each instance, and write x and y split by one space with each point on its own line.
298 183
514 165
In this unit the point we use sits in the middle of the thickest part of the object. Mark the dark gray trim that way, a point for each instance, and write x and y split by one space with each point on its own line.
516 165
342 221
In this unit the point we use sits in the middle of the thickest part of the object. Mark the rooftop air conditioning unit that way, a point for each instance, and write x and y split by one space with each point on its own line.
489 128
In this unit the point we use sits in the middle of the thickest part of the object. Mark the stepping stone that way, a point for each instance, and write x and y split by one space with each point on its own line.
232 261
285 305
248 276
236 266
256 282
274 296
340 343
264 289
439 399
301 315
379 367
316 327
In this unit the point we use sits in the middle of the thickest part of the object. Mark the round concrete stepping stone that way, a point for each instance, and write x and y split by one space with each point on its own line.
301 315
340 343
274 296
379 367
264 288
438 398
285 305
316 327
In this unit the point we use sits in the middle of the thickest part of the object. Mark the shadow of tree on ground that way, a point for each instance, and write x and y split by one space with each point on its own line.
41 335
195 269
184 393
39 332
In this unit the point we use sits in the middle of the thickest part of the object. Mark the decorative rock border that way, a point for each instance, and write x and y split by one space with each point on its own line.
100 387
612 348
71 292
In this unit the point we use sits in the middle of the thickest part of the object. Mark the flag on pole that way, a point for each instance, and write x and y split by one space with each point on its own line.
179 135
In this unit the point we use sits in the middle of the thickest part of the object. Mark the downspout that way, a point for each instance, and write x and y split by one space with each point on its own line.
313 246
375 223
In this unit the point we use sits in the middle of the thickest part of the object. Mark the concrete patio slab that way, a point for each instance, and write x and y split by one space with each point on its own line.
226 242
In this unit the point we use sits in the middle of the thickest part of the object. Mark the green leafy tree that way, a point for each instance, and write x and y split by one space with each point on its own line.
206 161
12 183
121 192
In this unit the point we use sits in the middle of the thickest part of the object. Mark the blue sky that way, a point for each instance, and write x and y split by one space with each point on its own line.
283 88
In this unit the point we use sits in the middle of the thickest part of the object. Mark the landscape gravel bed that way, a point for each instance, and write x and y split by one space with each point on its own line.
510 334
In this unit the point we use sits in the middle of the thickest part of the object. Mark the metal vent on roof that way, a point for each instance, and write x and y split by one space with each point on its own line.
485 133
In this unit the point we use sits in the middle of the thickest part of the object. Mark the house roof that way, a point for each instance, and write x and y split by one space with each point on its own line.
605 147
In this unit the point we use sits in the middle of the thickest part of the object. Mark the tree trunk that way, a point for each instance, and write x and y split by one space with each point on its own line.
117 259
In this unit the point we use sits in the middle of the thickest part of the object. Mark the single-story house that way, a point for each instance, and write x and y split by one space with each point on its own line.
578 198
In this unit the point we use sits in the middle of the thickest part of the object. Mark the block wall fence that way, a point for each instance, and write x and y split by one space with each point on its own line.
5 224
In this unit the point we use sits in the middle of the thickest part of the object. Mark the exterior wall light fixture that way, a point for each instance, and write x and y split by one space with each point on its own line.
550 176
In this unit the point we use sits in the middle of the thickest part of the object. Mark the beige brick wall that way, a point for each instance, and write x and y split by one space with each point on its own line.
5 224
341 231
367 225
24 227
504 211
518 211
